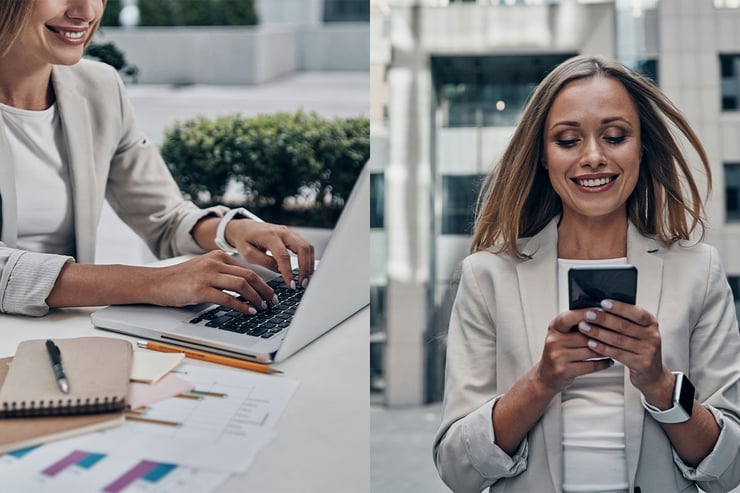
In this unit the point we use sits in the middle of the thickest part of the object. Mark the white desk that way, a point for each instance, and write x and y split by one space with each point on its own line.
323 438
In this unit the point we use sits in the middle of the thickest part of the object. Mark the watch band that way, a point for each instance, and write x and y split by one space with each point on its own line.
220 239
682 387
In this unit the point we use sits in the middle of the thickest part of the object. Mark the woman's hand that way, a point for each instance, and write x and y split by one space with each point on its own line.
566 354
253 239
629 334
203 279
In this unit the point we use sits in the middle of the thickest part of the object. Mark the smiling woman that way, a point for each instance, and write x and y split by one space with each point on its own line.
539 397
68 142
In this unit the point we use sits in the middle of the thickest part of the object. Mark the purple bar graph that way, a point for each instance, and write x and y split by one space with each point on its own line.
71 459
137 472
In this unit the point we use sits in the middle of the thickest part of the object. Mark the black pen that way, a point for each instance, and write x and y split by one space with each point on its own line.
56 364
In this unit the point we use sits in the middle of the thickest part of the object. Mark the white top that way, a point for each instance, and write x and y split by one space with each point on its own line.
43 191
594 457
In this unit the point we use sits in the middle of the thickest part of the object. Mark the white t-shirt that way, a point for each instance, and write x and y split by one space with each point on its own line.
43 190
594 458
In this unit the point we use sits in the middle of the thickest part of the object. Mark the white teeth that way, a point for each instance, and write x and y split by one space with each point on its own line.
598 182
73 35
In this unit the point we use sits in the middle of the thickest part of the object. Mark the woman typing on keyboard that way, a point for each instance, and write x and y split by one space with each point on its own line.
67 131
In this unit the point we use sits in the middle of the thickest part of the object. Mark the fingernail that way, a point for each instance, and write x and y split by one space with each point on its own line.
263 305
275 300
607 304
591 315
591 344
584 327
252 311
305 283
292 284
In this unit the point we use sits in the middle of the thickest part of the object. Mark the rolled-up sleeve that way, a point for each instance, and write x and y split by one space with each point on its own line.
27 279
465 453
715 372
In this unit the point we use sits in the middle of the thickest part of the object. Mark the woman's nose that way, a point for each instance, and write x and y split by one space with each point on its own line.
594 153
84 10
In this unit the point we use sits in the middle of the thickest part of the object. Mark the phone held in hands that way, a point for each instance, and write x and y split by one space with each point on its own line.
588 285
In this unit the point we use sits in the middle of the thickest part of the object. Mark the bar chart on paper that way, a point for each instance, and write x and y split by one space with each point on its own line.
54 469
48 471
73 463
149 476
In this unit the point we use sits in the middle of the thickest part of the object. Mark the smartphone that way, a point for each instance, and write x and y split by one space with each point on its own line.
588 285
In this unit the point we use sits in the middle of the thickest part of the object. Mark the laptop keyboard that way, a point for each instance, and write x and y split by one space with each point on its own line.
266 323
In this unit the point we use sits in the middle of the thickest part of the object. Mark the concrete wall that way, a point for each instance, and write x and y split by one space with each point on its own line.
303 12
336 46
240 55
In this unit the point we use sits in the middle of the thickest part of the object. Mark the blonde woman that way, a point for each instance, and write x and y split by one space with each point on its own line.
68 141
594 176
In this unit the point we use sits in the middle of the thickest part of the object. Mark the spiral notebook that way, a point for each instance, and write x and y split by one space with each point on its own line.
21 433
97 369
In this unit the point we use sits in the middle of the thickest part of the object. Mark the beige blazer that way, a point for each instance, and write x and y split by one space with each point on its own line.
108 158
497 330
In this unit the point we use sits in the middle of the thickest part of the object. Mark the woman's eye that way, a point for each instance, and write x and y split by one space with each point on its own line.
566 142
615 140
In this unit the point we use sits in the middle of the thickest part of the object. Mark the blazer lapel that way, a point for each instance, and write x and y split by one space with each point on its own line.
78 137
538 288
8 204
640 253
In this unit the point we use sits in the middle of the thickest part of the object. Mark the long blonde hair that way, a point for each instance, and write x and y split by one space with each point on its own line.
517 199
13 17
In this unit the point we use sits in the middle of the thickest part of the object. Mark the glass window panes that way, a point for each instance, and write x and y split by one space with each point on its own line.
459 196
377 338
730 83
377 200
488 91
346 10
732 191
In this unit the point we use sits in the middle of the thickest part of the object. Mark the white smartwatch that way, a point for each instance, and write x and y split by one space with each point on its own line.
220 239
683 402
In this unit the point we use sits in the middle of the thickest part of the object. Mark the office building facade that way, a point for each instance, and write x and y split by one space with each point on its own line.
448 83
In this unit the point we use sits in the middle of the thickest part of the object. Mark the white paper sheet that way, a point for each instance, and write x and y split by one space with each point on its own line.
194 446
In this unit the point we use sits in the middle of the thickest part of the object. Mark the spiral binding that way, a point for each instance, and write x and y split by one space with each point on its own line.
61 407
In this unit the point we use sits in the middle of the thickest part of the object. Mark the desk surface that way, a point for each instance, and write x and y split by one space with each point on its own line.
322 441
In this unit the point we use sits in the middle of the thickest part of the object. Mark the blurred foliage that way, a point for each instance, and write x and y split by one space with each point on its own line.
300 156
197 13
110 54
111 12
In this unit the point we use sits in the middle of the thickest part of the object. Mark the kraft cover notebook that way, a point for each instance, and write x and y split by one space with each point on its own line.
97 369
20 433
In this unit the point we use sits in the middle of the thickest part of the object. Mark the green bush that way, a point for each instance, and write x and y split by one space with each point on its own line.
110 54
276 158
197 13
111 12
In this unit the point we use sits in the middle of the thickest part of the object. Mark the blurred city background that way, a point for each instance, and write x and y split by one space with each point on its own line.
449 80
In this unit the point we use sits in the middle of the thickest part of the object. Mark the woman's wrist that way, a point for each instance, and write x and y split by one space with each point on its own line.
659 392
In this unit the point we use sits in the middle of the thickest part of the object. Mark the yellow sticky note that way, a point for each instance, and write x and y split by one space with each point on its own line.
151 366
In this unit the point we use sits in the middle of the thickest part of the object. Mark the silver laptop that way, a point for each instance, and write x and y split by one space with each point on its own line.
338 289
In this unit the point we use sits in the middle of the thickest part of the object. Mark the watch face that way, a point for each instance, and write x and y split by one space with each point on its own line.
686 399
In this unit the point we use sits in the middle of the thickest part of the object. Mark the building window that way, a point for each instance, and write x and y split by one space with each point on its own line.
649 69
377 200
732 191
346 10
735 286
459 197
489 90
377 339
730 74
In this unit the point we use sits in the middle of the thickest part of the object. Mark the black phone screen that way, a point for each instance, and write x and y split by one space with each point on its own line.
587 286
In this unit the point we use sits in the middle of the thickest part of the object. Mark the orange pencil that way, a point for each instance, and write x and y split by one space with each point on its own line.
211 358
